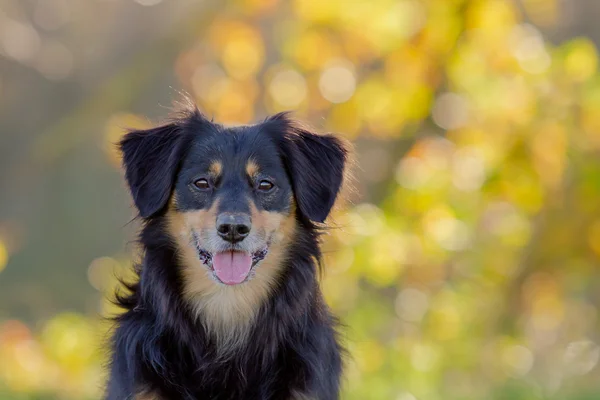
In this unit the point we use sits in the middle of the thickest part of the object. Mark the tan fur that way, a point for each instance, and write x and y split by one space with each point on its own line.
216 168
229 310
252 168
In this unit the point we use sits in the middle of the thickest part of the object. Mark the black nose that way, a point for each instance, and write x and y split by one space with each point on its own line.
233 227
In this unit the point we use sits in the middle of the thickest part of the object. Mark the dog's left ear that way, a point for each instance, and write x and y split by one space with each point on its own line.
315 163
151 159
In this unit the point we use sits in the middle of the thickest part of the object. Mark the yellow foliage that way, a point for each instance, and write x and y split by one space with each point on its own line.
581 61
3 256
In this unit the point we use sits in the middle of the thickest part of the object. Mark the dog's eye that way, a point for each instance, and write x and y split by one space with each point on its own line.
202 184
265 186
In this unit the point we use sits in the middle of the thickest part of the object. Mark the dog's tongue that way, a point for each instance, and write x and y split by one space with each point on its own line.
232 267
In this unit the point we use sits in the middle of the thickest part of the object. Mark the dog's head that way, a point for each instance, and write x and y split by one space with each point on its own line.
232 197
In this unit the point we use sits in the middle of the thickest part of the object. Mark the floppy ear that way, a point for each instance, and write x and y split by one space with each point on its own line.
315 164
151 159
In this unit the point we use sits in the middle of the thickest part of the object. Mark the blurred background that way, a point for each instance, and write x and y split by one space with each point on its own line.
466 265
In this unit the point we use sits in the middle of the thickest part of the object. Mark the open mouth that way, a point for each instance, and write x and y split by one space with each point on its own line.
231 267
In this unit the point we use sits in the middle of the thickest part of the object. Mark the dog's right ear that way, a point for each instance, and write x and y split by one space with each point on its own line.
151 158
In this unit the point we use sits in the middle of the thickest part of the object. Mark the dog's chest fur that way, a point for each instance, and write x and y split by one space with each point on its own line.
266 374
285 343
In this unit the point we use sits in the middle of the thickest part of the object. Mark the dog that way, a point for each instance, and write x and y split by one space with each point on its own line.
227 303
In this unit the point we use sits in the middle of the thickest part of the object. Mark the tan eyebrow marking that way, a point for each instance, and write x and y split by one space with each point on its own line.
251 168
216 168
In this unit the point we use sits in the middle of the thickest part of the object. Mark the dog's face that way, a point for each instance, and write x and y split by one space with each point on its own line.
231 199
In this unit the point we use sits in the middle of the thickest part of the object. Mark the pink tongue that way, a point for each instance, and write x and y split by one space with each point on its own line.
232 267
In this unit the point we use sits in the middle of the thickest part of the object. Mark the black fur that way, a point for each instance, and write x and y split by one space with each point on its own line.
315 164
292 346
